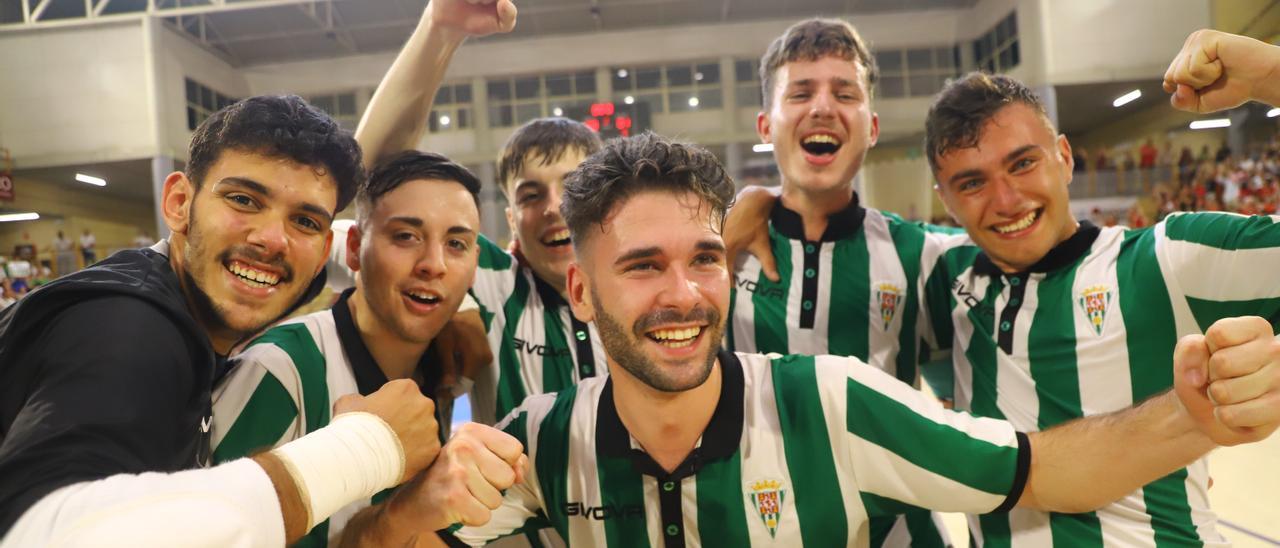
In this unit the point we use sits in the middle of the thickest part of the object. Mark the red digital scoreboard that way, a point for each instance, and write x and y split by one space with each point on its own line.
611 120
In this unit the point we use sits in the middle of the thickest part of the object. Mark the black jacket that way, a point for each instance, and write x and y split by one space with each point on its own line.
104 371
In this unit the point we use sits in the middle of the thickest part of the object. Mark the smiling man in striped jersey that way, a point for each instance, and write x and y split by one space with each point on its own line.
1053 319
817 80
686 444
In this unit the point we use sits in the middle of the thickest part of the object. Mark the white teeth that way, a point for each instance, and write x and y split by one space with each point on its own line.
677 336
1019 224
423 296
562 234
257 277
822 138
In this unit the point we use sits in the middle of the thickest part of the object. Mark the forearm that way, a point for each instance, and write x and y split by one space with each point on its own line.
386 524
229 505
1085 464
397 114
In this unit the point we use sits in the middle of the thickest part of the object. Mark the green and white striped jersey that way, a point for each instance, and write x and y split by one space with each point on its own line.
800 450
538 345
1091 329
853 293
283 386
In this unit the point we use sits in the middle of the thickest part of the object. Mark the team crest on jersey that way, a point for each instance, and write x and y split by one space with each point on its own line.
766 497
1094 300
889 296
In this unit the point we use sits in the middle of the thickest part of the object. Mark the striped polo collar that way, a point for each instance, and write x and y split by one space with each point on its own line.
719 441
840 225
369 377
1062 255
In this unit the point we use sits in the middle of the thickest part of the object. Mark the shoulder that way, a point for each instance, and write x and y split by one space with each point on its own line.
491 256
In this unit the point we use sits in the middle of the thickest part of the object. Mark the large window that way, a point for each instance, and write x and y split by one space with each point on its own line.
203 101
679 87
514 101
340 106
997 50
746 78
916 72
451 109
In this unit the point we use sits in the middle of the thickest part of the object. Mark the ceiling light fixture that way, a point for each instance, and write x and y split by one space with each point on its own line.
96 181
1211 124
1127 98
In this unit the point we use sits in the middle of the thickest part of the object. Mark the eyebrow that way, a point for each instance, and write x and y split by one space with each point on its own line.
978 172
806 82
419 223
710 245
259 188
651 251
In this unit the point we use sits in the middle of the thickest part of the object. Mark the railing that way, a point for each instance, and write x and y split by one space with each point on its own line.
1105 183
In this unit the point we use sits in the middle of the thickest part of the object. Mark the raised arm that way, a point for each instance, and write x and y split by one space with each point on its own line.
397 115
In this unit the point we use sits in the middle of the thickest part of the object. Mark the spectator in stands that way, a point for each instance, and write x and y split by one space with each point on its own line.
1223 154
65 254
143 240
1101 160
1186 164
1148 155
88 248
1080 156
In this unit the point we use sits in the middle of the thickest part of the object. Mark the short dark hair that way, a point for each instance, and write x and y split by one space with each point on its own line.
412 165
964 106
279 126
813 39
629 165
545 140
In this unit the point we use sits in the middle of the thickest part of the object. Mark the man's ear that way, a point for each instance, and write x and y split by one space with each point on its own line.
175 203
353 247
579 290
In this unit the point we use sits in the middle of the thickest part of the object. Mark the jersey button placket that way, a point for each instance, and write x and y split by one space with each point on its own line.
1009 316
671 511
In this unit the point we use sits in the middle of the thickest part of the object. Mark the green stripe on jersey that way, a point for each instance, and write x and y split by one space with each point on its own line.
264 419
557 364
909 242
553 457
769 301
622 487
808 450
1223 230
721 518
511 389
295 339
849 310
1143 294
492 257
981 353
1207 312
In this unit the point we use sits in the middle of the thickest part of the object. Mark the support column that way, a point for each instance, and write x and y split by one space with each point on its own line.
161 167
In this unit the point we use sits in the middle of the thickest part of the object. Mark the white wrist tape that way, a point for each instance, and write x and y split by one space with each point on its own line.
354 457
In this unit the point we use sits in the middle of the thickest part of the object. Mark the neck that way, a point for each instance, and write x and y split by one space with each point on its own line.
396 357
667 424
219 338
815 206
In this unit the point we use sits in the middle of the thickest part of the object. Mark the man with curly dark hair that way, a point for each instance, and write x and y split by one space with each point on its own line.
106 374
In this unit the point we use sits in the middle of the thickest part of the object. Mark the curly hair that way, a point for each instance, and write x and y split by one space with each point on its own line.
279 126
412 165
963 107
813 39
630 165
544 140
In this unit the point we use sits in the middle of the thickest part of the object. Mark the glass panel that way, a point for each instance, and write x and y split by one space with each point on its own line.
748 96
462 93
499 90
347 104
584 83
501 116
919 59
1002 31
710 73
622 78
744 70
323 102
206 99
889 61
193 92
528 88
710 99
559 85
654 100
1017 54
1012 20
945 57
892 86
444 96
191 119
464 118
433 121
527 112
679 76
922 84
1006 59
941 80
648 78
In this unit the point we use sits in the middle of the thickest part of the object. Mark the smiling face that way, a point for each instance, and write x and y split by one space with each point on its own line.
416 256
249 241
820 122
654 280
534 215
1009 191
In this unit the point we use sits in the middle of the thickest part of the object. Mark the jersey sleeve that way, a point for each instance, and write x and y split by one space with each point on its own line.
1221 265
495 275
905 448
252 408
522 507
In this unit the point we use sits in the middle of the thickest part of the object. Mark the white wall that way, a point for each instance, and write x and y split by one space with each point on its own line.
902 186
75 95
177 58
1103 40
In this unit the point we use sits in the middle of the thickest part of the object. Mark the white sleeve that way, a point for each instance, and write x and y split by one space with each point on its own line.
232 505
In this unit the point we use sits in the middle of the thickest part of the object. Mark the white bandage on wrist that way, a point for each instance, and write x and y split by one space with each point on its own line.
354 457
